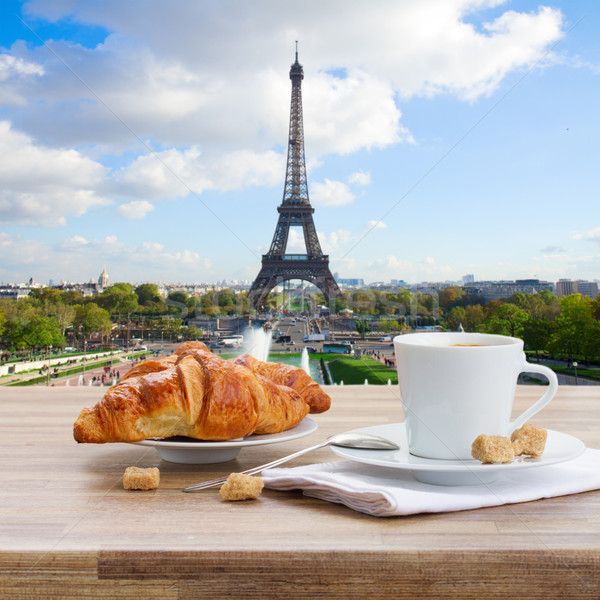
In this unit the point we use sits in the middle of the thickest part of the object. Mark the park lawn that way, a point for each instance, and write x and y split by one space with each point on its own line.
62 374
355 370
344 368
581 372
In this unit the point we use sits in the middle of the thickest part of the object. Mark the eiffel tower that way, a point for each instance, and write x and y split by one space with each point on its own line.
295 211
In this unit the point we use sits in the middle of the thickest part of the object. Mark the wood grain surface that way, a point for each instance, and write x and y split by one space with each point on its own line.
69 530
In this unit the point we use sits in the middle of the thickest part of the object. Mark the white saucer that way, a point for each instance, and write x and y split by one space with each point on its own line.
196 452
560 447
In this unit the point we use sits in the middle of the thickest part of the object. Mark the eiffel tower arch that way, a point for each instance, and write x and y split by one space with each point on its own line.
295 210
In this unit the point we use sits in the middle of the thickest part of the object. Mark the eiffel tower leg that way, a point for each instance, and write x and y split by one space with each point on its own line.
261 288
327 285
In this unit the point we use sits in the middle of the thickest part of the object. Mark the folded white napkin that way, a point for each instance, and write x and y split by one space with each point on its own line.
380 492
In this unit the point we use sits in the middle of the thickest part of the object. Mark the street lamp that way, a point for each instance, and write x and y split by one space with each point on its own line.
575 365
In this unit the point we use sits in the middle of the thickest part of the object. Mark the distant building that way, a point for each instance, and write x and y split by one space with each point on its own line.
470 278
398 283
499 290
103 279
587 288
350 282
87 289
566 287
14 292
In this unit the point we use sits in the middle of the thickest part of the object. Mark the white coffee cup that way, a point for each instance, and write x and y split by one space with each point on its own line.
451 392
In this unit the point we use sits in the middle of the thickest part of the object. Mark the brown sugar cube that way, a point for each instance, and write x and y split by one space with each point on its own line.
529 440
492 449
136 478
241 487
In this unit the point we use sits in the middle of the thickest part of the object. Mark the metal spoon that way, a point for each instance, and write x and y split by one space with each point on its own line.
346 440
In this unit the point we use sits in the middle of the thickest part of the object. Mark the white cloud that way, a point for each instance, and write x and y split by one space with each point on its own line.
360 178
136 209
75 241
295 243
552 250
376 225
330 241
11 65
206 71
591 235
42 185
82 258
334 241
331 193
384 268
12 71
176 173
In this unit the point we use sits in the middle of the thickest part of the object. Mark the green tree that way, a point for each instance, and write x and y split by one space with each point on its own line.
178 297
363 302
193 333
424 304
92 319
506 319
148 294
171 327
456 318
14 337
362 327
340 303
450 296
575 328
42 332
2 323
64 315
474 317
596 307
543 305
47 296
387 325
537 334
118 299
225 297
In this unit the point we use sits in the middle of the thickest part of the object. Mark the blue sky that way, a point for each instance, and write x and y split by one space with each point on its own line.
125 109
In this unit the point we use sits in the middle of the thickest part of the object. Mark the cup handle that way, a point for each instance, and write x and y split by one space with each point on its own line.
548 395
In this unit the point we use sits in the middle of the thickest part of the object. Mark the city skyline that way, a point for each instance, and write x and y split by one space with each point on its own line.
104 280
108 123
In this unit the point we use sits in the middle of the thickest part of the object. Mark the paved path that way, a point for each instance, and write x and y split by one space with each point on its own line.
73 380
572 380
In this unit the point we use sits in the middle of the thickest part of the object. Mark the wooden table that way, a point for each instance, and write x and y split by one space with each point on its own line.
68 529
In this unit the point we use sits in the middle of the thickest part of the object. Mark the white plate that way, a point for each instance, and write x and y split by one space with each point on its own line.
560 447
189 451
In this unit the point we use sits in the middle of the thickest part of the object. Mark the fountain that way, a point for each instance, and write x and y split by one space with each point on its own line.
259 342
304 361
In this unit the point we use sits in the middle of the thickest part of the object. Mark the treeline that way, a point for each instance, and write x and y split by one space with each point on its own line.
42 320
54 318
566 327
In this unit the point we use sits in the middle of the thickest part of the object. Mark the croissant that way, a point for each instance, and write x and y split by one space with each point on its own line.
151 365
193 393
292 377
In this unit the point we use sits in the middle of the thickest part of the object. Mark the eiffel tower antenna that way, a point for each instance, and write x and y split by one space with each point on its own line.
295 210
